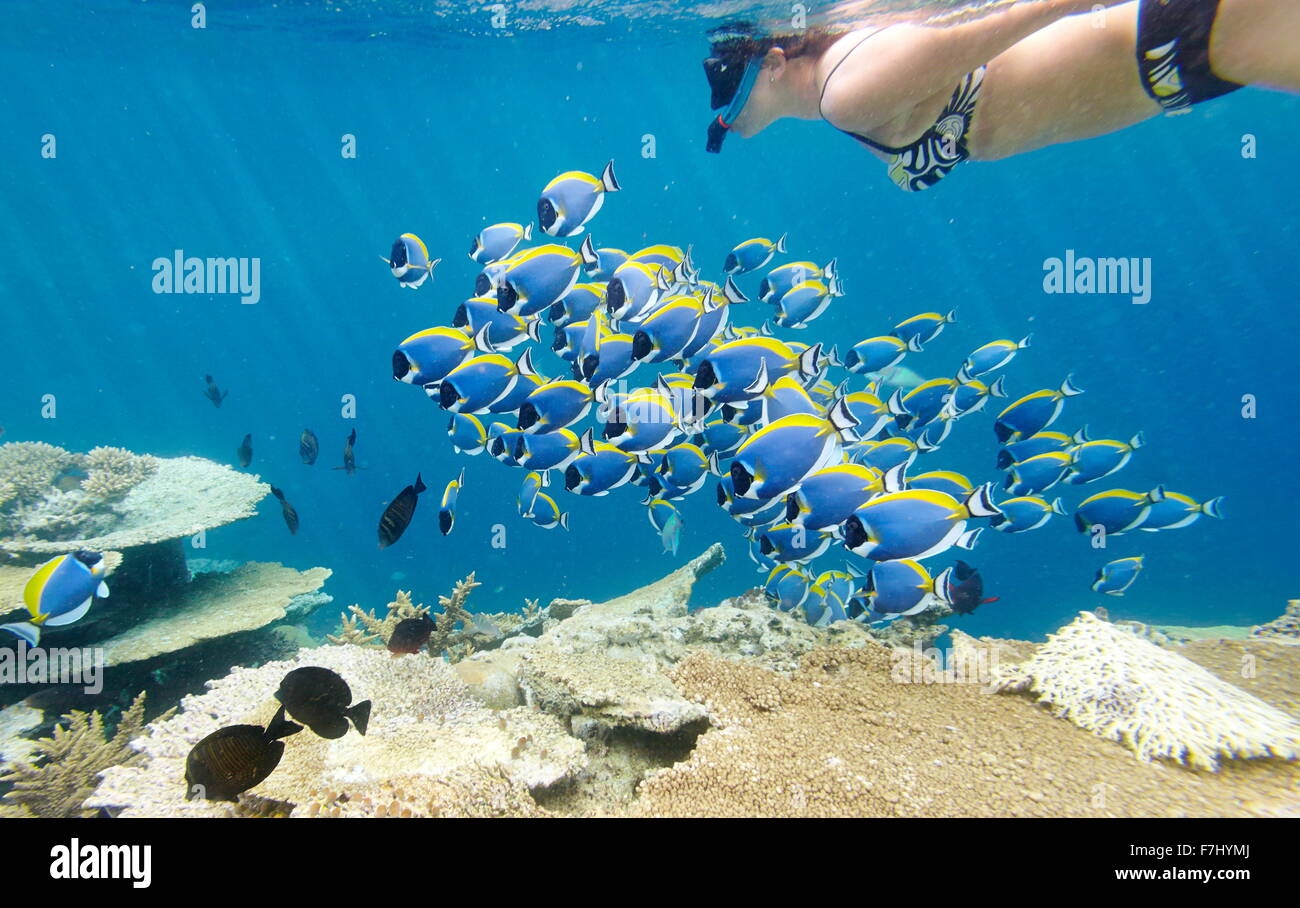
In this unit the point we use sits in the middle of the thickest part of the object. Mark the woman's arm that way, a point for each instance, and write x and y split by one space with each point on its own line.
906 64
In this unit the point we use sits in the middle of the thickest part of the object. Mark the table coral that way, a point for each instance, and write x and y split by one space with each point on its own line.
132 501
1109 680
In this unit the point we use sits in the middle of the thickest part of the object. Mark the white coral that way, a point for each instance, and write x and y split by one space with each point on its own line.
1110 681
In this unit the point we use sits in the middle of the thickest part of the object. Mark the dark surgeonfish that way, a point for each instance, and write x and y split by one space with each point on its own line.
213 393
410 635
397 516
308 447
245 451
233 759
286 509
320 698
349 459
968 589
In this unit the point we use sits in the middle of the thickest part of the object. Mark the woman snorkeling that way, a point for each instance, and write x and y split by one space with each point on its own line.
924 99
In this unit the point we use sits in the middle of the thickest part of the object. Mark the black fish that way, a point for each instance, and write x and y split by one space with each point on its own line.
398 514
319 698
308 447
968 591
233 759
213 393
349 459
245 451
410 635
290 515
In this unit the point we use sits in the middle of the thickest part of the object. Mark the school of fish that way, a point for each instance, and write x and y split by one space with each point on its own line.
655 382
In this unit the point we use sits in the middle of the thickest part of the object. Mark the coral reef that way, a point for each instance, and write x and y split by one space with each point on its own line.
1109 680
1285 628
428 739
124 501
216 605
642 708
69 762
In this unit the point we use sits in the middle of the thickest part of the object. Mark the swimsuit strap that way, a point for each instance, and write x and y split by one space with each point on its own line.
834 69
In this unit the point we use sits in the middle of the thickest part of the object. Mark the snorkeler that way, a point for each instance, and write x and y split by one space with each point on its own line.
924 99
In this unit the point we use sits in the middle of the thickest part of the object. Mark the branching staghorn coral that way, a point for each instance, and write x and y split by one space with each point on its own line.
1107 679
455 628
64 771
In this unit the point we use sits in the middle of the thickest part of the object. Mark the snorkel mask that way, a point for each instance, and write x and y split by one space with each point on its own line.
732 69
730 85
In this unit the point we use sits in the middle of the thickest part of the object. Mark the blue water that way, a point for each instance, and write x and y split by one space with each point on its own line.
226 142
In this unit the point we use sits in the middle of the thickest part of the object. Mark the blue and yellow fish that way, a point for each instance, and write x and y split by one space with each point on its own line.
778 457
875 354
572 199
990 357
1019 515
1033 413
409 261
894 589
752 255
1117 511
468 436
1093 460
1116 577
447 507
494 243
1177 510
427 356
60 592
554 406
919 330
916 523
547 514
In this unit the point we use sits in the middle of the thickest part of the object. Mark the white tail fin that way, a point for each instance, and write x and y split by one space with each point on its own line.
610 183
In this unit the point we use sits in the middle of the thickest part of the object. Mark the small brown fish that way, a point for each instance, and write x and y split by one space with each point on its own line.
245 451
213 393
349 459
308 447
397 516
286 509
233 759
410 635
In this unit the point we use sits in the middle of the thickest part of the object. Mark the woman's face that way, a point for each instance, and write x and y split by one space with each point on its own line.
763 108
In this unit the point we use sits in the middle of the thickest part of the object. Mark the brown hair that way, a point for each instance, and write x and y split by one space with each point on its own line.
740 41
